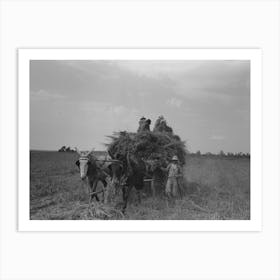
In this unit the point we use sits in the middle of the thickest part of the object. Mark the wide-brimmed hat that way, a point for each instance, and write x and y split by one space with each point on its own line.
175 158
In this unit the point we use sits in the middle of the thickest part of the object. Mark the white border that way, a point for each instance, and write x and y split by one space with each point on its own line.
254 55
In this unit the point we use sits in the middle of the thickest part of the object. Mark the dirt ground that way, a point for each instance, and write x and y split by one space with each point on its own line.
215 189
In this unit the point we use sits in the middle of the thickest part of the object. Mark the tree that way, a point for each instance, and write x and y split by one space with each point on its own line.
62 149
66 149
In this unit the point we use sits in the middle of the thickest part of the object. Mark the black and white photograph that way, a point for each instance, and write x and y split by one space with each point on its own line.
139 139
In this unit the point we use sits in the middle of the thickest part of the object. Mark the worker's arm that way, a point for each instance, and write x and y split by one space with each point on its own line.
180 169
165 169
180 173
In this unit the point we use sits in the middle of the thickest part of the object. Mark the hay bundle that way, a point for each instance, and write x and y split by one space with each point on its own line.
103 211
112 193
157 146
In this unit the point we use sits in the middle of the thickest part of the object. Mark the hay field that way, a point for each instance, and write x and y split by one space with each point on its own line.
216 188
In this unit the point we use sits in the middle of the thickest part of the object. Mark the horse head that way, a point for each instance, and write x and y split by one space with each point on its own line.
84 162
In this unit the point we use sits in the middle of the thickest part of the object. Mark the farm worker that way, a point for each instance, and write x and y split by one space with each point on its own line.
142 122
174 172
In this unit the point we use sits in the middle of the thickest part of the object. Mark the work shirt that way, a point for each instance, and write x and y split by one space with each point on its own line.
174 170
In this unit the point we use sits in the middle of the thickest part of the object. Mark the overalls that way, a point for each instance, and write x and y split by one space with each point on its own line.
174 171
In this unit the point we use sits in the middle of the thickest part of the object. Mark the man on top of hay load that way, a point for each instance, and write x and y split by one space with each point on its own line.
174 173
144 124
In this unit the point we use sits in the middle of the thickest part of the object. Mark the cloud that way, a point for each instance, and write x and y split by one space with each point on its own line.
45 95
115 117
157 68
174 102
217 137
106 108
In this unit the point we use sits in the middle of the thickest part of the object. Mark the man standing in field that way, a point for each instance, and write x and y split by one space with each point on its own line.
174 173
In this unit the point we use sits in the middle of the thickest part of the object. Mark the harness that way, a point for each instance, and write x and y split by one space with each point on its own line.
106 160
123 178
110 160
100 168
83 158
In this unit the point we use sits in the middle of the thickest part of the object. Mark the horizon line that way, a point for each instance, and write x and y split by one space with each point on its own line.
190 152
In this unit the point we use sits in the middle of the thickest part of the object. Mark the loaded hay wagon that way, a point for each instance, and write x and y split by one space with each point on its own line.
155 148
134 159
137 159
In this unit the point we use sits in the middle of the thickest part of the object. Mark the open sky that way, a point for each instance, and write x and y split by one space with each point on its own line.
77 103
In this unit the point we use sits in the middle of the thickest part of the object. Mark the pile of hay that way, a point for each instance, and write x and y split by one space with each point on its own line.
102 211
157 146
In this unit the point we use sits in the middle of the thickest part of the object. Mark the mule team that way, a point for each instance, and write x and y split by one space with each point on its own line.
124 174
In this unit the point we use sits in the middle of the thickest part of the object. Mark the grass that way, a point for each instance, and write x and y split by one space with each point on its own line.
215 189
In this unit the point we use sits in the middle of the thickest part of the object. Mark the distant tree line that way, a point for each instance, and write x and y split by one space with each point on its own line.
222 154
66 149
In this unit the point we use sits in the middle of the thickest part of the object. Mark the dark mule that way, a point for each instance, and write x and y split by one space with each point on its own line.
129 173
